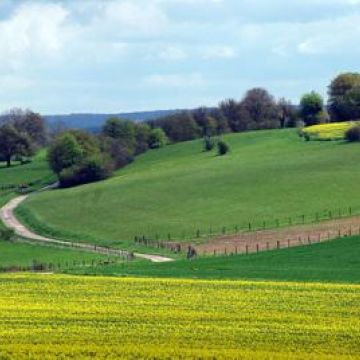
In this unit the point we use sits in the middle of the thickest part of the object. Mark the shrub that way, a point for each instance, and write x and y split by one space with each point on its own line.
157 138
353 134
223 148
208 143
92 169
7 234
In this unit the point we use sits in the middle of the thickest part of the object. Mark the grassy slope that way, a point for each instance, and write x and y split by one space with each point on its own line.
336 261
267 175
22 254
37 170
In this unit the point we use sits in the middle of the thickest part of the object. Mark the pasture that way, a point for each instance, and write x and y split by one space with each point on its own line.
335 261
84 317
178 190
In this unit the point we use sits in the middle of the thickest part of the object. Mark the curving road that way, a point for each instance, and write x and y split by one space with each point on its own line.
10 221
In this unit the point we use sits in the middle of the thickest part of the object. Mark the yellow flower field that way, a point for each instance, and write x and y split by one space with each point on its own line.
331 131
51 316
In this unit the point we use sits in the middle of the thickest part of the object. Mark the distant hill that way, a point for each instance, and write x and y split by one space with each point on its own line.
95 121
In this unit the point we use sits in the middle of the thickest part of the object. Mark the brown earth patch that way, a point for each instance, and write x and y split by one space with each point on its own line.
279 238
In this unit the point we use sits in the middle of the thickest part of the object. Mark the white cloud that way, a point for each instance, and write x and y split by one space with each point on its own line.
33 29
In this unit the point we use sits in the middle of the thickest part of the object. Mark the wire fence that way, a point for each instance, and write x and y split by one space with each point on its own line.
172 241
37 266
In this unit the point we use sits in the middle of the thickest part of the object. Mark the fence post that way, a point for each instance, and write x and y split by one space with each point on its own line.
288 243
278 244
247 249
257 248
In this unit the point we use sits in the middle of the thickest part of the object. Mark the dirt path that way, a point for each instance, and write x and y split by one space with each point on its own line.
280 238
10 221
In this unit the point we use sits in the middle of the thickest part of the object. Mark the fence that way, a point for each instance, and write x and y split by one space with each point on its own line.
257 247
170 239
60 267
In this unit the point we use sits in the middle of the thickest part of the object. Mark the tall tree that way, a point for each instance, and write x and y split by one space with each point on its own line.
343 97
13 143
312 108
258 110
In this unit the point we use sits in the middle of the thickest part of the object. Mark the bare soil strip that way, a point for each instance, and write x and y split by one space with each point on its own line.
279 238
10 221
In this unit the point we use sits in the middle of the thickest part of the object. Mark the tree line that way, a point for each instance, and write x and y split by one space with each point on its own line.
79 157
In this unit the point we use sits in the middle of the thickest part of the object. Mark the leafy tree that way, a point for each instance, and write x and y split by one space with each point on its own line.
118 152
344 101
157 138
287 113
312 108
122 130
230 110
222 125
206 123
13 143
28 123
142 136
223 148
258 110
178 127
65 152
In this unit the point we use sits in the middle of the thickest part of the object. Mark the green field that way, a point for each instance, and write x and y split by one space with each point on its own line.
37 171
63 317
178 189
335 261
17 254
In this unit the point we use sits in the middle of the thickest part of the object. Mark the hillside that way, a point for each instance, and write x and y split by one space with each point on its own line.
335 261
268 175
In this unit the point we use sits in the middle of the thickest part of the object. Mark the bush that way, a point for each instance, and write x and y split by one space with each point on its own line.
208 143
353 134
92 169
223 148
7 234
157 138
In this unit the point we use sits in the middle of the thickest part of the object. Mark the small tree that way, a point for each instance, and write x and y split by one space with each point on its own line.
13 143
157 138
64 153
208 143
223 148
312 108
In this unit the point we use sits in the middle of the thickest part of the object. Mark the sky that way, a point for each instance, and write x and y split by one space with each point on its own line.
112 56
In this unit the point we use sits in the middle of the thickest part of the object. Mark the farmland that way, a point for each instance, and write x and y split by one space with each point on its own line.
181 189
145 318
332 131
336 261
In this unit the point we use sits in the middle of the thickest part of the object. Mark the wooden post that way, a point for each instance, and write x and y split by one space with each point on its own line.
288 243
257 248
278 244
247 249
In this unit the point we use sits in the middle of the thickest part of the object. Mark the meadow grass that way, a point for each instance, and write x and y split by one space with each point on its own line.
335 261
36 171
176 190
18 254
